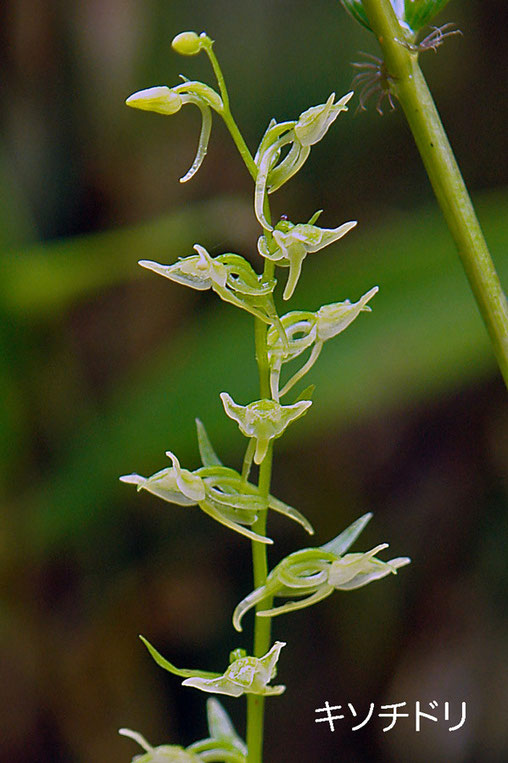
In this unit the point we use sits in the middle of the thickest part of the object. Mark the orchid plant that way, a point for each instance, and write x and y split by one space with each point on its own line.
230 497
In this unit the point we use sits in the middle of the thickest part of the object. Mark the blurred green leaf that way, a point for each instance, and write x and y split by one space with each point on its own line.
51 277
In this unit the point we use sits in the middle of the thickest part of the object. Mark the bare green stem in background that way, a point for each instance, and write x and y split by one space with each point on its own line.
408 84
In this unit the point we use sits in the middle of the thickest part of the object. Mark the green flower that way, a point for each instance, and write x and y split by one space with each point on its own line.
263 420
300 135
314 123
229 275
245 674
304 330
164 100
223 744
314 573
289 245
219 491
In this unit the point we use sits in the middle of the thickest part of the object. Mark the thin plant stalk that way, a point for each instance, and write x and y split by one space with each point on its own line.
408 84
262 626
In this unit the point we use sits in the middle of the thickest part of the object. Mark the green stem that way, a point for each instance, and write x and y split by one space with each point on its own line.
262 625
228 117
409 85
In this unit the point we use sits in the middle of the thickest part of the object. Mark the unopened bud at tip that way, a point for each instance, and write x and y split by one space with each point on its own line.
187 43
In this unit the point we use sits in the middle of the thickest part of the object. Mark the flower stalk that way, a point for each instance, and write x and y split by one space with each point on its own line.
408 84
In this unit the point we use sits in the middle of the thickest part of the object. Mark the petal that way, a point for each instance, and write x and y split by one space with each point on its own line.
191 485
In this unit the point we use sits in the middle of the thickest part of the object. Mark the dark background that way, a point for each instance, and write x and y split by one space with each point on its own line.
104 367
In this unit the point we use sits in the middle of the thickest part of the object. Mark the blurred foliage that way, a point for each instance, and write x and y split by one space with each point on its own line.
104 367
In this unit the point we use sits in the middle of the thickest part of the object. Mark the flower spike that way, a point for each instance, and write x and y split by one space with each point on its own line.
263 420
312 574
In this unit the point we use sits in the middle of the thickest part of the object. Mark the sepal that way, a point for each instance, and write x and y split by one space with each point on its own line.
160 99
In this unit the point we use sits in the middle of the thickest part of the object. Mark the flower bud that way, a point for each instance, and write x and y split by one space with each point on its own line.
186 44
160 99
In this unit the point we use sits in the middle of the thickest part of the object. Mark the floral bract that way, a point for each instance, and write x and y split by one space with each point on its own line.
314 573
